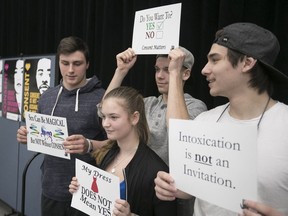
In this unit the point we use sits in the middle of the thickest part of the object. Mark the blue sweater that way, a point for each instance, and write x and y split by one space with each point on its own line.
79 107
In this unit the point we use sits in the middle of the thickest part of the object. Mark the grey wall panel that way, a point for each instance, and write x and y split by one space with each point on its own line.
9 161
33 182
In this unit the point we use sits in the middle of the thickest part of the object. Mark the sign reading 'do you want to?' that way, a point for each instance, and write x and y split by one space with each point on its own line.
156 30
216 162
46 134
97 190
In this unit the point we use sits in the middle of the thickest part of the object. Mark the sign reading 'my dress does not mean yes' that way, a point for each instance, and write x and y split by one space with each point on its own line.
46 134
156 30
216 162
97 192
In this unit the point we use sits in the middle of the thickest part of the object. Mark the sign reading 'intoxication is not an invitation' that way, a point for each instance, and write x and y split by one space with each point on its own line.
216 162
156 30
46 134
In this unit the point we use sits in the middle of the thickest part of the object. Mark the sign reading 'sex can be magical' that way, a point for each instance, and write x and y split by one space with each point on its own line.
46 134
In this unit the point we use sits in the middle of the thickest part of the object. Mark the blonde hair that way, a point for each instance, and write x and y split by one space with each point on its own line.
131 101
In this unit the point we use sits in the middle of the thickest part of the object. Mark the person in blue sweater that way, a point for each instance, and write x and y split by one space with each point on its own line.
75 98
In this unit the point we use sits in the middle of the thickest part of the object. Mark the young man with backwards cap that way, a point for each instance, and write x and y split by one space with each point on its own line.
240 67
155 107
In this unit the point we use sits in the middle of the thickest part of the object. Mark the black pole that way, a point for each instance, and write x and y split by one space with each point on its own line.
24 183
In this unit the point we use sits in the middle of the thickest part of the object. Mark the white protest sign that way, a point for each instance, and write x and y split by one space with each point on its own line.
97 192
156 30
46 134
216 162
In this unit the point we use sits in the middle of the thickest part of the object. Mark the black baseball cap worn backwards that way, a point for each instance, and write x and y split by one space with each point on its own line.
253 41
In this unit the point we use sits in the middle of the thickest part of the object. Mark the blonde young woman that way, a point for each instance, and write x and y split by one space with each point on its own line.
128 156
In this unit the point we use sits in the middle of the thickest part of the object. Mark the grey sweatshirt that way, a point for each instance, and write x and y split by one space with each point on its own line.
79 107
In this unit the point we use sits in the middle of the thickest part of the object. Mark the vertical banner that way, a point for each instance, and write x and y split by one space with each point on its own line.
22 81
12 89
156 30
1 75
37 79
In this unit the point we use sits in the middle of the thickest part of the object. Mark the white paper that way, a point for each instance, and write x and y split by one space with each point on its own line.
156 30
46 134
216 162
97 192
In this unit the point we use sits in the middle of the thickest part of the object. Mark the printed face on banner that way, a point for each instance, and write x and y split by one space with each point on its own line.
12 89
37 80
18 82
43 74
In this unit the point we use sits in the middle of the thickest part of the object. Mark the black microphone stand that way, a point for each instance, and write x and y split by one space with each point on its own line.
24 183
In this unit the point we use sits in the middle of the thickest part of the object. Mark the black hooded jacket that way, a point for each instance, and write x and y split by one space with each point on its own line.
140 174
